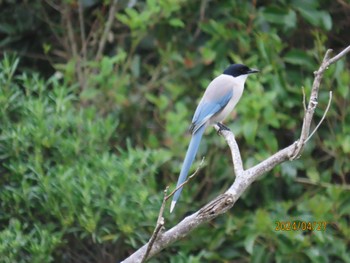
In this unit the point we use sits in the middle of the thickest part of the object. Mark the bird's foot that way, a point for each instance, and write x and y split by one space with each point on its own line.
222 127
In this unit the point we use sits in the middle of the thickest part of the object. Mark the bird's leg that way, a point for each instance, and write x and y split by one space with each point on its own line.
222 127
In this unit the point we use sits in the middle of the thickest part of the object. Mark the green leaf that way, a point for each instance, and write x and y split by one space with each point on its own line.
346 144
284 17
289 169
249 130
135 66
317 18
249 242
313 174
208 55
300 58
176 22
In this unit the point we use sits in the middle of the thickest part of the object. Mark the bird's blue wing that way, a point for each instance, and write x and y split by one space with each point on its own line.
209 106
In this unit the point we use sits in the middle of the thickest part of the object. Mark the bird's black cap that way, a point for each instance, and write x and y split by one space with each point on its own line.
236 70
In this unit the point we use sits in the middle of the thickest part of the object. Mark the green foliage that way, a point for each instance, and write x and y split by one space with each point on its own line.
34 243
86 151
59 164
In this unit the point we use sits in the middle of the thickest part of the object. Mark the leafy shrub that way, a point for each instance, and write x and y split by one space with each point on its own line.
63 176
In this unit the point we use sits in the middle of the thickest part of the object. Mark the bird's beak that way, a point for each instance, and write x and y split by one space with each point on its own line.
253 70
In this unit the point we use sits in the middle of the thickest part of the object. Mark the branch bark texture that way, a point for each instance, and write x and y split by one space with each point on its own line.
244 178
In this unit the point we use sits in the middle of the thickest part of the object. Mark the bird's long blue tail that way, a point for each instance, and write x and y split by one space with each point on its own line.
190 155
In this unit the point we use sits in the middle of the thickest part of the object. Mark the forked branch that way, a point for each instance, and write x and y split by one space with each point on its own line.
244 178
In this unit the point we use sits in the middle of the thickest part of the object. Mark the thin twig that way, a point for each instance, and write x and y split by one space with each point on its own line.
83 45
82 30
94 28
304 98
252 16
324 115
24 54
153 238
160 224
305 130
161 211
188 179
73 44
201 18
339 56
70 32
108 27
326 185
54 6
160 220
53 27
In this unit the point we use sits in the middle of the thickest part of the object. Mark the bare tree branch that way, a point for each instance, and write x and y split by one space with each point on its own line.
82 31
111 15
244 178
83 58
73 43
236 155
70 31
337 57
305 130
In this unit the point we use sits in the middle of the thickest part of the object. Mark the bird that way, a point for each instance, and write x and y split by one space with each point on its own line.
219 99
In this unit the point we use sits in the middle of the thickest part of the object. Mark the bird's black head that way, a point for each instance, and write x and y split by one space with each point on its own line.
236 70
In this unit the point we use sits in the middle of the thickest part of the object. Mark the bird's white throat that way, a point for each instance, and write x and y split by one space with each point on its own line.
240 80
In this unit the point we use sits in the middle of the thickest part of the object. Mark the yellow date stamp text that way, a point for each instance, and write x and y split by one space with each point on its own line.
301 226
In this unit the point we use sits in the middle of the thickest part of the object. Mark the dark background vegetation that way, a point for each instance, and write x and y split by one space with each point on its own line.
89 139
